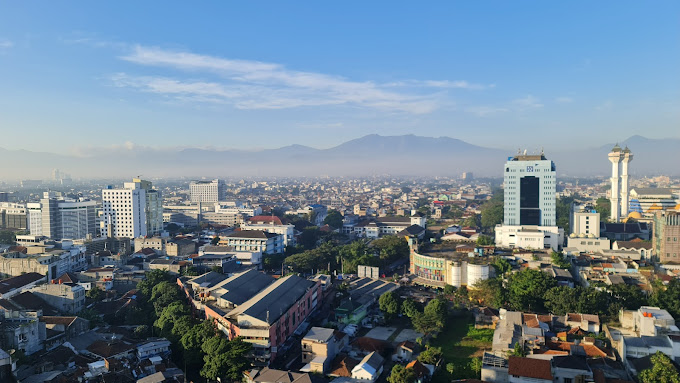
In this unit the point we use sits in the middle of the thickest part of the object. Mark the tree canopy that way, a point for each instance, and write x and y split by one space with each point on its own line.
400 374
492 210
333 219
389 304
662 370
526 289
225 359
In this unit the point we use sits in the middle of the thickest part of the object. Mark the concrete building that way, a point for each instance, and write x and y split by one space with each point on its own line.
254 241
269 318
529 219
647 201
619 181
13 216
666 236
59 218
319 348
133 211
68 298
443 267
271 224
207 191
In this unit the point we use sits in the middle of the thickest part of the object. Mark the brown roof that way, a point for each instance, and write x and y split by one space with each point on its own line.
591 350
257 234
529 368
9 284
108 349
265 219
66 321
342 366
418 368
68 278
30 301
367 344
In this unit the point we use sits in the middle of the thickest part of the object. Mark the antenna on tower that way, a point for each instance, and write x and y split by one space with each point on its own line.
525 152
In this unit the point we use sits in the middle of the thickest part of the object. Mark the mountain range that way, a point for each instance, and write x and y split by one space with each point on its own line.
369 155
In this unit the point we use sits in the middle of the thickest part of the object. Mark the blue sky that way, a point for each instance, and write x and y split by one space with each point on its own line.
78 76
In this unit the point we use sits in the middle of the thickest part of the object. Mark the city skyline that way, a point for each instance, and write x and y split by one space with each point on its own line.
571 77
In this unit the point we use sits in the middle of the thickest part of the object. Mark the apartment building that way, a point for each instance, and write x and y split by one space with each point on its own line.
133 211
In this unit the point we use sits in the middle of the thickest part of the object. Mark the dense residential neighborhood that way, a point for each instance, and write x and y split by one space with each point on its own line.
382 279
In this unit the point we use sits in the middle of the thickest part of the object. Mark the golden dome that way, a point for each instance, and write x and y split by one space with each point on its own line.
655 207
635 215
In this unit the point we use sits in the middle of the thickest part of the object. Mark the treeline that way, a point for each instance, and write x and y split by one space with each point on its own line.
535 291
345 258
427 320
162 310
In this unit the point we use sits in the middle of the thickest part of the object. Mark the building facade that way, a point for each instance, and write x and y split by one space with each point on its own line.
134 211
207 191
529 219
60 218
666 237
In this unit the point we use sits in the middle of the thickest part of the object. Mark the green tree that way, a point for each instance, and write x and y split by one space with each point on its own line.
334 219
151 279
629 296
93 316
430 355
668 297
488 292
449 289
559 261
391 248
409 308
475 365
526 290
561 300
502 266
426 324
215 241
169 316
95 293
400 374
563 211
389 304
662 370
225 359
492 210
603 206
163 294
518 350
437 309
192 341
7 237
450 368
470 221
189 271
141 331
309 237
484 240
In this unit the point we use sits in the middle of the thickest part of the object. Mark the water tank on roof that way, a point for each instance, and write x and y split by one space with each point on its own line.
476 273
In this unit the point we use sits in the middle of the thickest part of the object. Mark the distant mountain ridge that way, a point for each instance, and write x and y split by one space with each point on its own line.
369 155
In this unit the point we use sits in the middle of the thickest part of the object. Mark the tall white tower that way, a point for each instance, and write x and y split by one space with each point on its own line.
615 157
627 157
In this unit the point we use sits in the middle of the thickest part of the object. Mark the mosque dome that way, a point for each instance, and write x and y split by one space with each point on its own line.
635 215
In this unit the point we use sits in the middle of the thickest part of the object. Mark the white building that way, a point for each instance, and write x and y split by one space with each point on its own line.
133 211
207 191
229 208
254 241
271 224
529 219
60 218
619 191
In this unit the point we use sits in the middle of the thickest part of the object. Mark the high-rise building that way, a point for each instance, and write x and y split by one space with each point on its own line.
207 191
529 219
60 218
619 191
13 215
136 210
666 239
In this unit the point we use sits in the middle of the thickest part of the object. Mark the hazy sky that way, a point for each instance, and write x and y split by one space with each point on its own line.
80 75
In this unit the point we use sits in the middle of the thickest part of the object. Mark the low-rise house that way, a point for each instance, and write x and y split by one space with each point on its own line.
65 297
180 248
153 347
268 375
370 367
404 351
528 370
172 266
319 348
15 285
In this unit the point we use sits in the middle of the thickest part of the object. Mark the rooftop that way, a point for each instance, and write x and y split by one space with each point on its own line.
9 284
319 334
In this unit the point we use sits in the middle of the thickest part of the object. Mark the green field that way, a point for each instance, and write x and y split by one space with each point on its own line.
460 342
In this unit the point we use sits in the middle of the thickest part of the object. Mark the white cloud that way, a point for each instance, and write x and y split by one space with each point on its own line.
6 44
249 84
484 111
528 102
564 100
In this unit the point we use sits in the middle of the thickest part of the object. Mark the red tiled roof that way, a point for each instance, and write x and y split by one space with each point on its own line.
591 350
369 344
418 368
529 368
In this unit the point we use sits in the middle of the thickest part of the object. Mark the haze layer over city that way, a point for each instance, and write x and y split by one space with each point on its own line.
278 192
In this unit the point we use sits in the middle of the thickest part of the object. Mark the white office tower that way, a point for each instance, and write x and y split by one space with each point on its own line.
61 218
136 210
619 192
207 191
529 204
